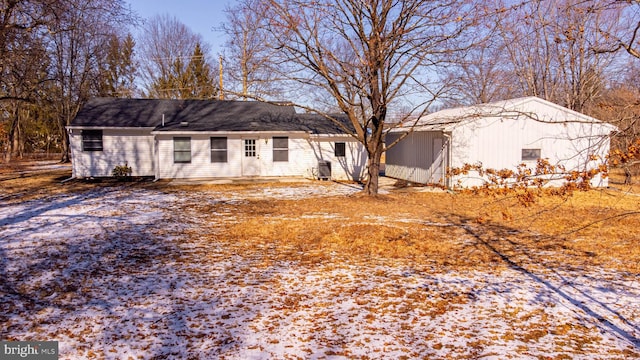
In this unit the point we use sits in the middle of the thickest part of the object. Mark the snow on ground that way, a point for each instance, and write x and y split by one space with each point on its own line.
117 272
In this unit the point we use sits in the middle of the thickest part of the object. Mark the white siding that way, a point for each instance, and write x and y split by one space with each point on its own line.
350 167
304 154
498 143
152 155
563 137
300 157
200 165
412 159
133 147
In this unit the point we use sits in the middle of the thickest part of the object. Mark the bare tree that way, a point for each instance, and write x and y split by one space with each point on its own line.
79 42
549 46
365 54
23 67
21 24
539 48
480 75
247 56
620 105
26 71
626 37
50 57
166 48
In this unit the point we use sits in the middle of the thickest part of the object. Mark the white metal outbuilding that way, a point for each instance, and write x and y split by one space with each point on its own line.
499 135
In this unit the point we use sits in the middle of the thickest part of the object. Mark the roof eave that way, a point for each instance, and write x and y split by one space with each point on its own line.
226 132
93 127
422 128
326 135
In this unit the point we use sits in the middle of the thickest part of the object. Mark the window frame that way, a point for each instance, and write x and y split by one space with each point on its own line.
531 154
280 153
177 151
340 149
220 152
92 140
250 148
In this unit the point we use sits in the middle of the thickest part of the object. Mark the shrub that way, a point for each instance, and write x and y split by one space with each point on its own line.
122 172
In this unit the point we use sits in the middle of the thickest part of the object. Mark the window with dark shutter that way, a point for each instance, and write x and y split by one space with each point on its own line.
181 150
281 148
218 149
340 149
91 140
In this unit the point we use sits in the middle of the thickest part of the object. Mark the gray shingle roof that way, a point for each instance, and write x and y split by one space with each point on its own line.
200 115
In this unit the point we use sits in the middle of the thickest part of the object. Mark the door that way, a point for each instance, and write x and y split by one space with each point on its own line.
439 161
250 158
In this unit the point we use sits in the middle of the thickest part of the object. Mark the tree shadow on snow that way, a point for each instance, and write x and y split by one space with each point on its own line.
500 241
92 277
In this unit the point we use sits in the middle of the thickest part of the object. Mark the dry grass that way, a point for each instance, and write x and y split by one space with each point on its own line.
18 185
20 182
616 180
589 228
429 271
354 227
596 228
459 230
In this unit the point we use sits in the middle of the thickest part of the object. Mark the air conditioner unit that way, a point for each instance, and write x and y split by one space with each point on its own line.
324 170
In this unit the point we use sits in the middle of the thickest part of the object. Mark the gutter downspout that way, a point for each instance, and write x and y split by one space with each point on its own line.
447 180
156 155
73 169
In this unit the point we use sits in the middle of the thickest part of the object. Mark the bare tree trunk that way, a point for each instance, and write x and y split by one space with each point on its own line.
13 133
65 158
17 143
628 178
373 170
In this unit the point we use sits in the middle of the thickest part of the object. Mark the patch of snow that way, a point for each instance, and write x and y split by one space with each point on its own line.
120 272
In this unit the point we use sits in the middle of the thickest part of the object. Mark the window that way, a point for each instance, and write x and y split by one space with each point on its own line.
281 148
181 150
250 148
530 154
218 149
340 150
91 140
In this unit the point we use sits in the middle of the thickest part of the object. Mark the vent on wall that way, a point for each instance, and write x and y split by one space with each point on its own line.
324 170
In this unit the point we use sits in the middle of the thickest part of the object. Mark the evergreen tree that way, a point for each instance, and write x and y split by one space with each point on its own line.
193 80
120 69
200 78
